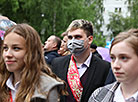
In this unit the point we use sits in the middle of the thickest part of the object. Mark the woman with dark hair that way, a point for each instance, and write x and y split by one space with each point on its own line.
24 75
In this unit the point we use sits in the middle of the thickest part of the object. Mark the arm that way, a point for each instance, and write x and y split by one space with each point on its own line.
94 95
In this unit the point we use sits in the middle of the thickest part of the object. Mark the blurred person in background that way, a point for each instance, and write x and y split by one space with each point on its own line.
63 51
51 47
94 51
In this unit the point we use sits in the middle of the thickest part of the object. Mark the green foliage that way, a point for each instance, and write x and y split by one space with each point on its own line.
53 16
119 24
99 40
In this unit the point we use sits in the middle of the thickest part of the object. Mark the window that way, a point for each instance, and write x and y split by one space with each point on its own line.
119 10
116 9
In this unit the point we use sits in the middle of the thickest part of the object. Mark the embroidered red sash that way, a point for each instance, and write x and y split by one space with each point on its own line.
74 80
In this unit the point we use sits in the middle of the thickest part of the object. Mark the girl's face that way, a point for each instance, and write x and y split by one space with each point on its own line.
14 50
124 63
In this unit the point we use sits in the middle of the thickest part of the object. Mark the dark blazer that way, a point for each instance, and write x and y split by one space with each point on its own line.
97 74
110 77
49 56
97 54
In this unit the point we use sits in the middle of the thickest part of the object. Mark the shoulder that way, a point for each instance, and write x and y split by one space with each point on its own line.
103 89
102 92
52 53
47 90
61 58
100 61
47 82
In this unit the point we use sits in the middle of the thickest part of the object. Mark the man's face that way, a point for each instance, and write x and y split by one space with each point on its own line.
50 44
79 34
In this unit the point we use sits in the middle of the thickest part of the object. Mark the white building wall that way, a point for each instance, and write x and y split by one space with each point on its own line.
113 6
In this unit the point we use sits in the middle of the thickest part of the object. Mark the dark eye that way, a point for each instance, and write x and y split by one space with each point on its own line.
64 41
5 48
69 37
78 37
16 48
112 58
124 58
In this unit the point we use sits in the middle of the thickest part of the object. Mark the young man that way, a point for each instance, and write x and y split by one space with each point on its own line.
82 71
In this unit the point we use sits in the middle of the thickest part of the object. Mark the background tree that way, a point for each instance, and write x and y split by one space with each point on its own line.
53 16
118 23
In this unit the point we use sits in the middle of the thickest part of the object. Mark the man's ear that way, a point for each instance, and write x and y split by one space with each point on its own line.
90 38
54 45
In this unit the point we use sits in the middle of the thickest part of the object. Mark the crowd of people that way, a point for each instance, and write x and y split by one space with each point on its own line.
68 69
81 70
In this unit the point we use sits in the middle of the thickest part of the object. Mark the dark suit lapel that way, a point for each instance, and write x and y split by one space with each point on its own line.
91 71
66 65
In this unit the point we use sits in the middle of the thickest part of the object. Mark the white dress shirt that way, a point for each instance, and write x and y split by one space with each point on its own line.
83 67
119 96
12 87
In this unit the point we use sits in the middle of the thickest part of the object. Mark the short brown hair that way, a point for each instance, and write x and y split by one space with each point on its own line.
86 25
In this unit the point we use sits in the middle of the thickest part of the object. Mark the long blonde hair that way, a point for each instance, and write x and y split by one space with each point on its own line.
34 65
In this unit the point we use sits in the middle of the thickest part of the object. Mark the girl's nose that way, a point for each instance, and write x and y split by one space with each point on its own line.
8 53
116 64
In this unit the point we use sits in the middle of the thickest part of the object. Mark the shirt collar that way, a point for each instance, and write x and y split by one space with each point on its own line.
135 95
119 95
87 62
10 84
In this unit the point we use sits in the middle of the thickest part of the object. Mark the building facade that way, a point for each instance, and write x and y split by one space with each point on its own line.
113 6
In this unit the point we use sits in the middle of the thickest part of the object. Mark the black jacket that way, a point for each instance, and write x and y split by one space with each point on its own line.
97 54
49 56
97 74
